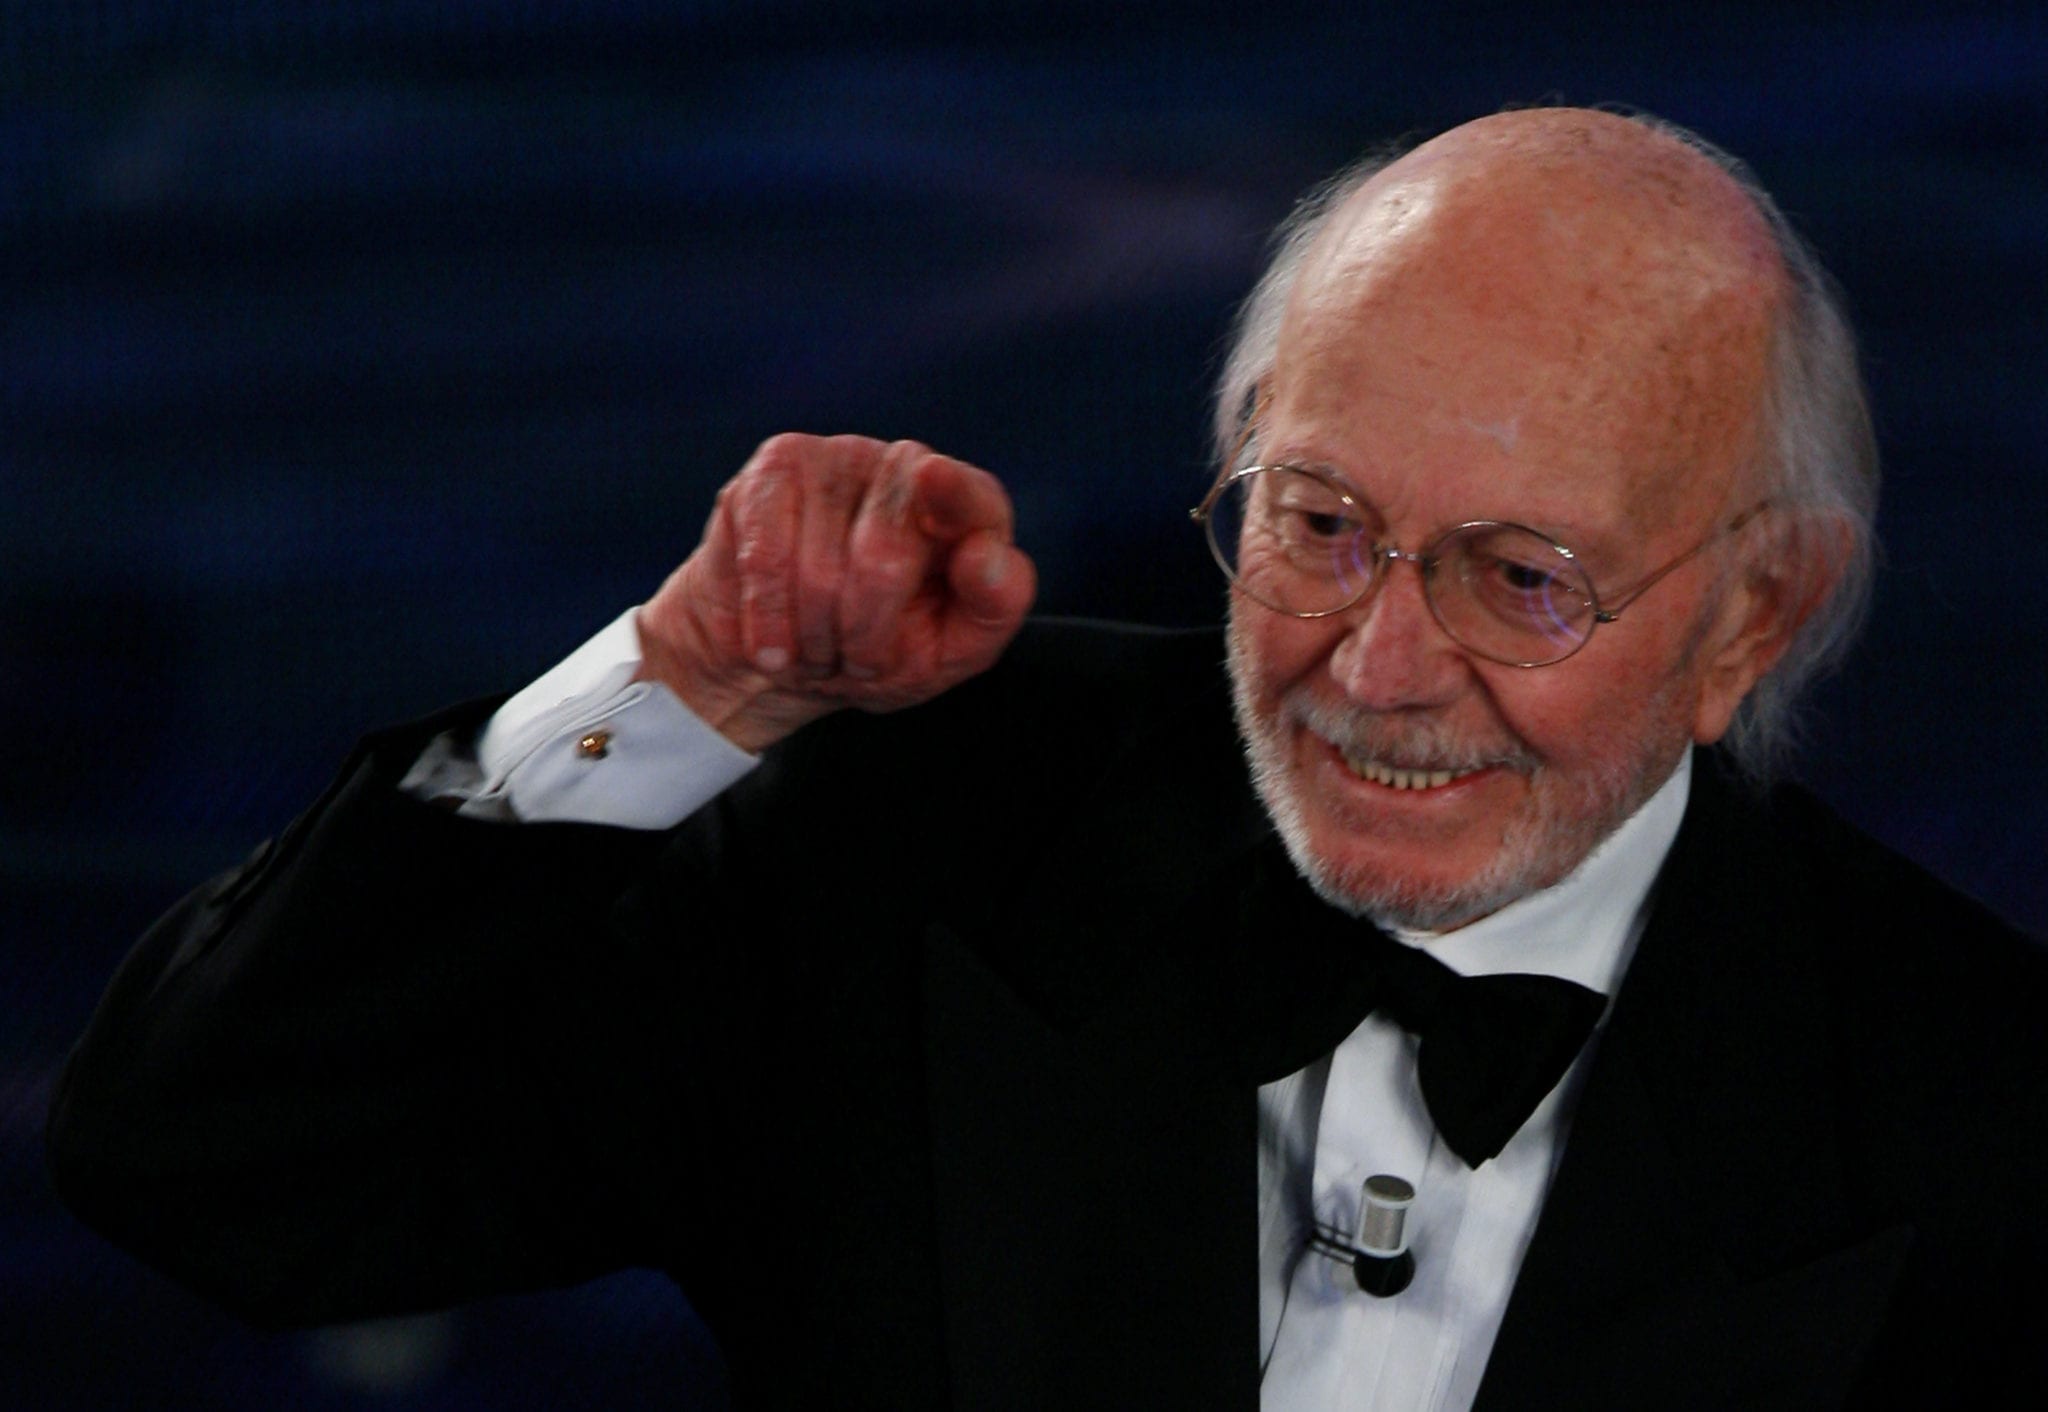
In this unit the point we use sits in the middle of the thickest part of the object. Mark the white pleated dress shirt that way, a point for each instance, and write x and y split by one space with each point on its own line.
1322 1343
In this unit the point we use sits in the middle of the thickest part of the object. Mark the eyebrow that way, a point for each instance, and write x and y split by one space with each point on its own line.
1586 547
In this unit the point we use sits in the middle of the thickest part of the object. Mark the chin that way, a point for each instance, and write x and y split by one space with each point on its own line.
1342 870
1409 900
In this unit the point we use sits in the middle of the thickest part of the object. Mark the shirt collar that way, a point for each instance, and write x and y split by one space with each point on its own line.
1583 927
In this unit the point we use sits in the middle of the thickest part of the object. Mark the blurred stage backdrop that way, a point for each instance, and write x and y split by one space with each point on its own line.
358 358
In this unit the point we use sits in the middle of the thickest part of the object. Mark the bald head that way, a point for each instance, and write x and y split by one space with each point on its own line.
1617 289
1564 271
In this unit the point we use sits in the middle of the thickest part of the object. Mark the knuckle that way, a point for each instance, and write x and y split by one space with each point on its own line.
888 567
840 488
761 555
764 596
758 502
775 469
893 502
815 585
882 576
785 449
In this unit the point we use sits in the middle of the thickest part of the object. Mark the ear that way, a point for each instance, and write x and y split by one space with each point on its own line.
1766 601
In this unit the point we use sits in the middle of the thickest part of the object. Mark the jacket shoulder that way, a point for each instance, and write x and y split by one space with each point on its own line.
1887 914
1935 1002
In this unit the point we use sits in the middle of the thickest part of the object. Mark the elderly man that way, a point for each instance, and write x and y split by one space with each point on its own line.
1013 1051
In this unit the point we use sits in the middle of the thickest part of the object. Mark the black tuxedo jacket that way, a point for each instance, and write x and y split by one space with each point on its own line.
926 1060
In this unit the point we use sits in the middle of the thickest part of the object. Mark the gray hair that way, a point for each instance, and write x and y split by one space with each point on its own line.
1819 448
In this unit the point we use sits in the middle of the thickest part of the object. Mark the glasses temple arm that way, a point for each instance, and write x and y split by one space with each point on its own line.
1608 615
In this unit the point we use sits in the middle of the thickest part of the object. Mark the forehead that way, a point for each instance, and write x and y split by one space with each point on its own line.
1420 468
1590 325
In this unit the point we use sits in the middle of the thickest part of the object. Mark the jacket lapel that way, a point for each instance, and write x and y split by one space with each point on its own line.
1095 1171
1698 1247
1094 1127
1094 1207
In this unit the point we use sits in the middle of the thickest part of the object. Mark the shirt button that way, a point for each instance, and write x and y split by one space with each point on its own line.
595 746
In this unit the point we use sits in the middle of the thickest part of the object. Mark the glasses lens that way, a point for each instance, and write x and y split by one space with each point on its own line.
1510 594
1292 541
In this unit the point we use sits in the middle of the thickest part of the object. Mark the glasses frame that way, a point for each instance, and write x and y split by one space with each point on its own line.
1427 559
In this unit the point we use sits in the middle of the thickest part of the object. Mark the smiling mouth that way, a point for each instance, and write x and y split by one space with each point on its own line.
1401 777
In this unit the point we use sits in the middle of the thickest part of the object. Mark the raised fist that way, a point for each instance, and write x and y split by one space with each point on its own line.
837 571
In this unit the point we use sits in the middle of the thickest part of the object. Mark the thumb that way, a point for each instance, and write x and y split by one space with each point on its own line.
993 584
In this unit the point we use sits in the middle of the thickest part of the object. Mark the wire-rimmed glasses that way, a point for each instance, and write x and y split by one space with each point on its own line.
1298 541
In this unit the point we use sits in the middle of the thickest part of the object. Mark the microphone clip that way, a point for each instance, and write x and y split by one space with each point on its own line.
1379 1258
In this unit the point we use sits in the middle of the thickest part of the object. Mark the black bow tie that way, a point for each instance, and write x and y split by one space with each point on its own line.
1490 1047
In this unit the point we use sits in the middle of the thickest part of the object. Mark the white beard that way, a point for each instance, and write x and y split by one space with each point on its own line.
1539 847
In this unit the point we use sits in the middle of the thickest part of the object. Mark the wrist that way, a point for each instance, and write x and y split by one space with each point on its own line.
734 698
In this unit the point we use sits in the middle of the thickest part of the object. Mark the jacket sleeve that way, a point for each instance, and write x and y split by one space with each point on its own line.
360 1074
403 1058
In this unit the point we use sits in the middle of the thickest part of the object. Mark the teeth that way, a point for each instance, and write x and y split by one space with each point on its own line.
1396 778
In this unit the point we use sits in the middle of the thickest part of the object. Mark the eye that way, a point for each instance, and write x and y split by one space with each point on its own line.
1517 577
1308 513
1527 578
1322 524
1293 538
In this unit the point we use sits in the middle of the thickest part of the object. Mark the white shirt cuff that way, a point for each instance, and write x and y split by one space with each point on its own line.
588 744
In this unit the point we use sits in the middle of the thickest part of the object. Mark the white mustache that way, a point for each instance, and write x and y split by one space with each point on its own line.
1418 743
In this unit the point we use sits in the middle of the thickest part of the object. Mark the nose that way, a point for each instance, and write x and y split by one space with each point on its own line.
1395 655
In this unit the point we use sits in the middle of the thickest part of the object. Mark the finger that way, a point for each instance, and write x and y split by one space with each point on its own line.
993 584
833 487
764 522
955 500
706 583
889 558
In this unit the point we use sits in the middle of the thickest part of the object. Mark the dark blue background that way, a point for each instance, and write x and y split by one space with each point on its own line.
355 361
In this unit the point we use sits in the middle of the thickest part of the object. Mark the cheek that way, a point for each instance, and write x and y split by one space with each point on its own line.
1588 710
1618 715
1273 652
